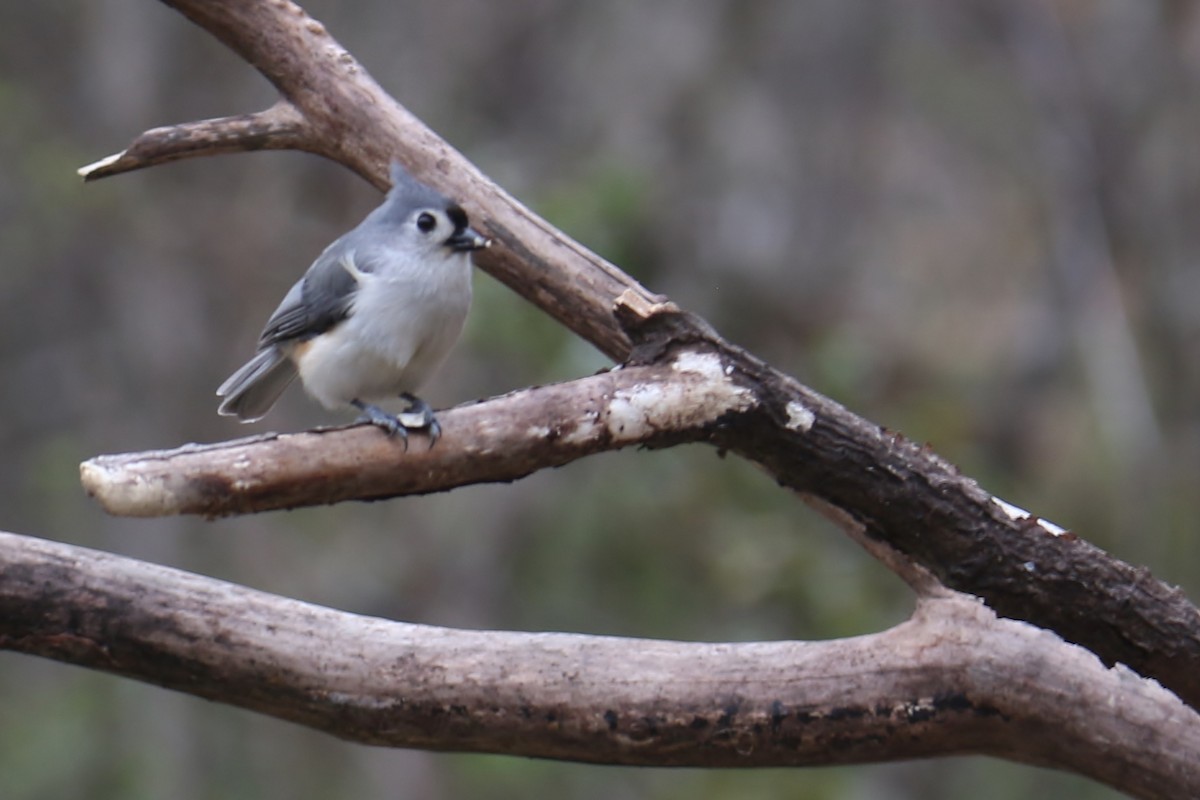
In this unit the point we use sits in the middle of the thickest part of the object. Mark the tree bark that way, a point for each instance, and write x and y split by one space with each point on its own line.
502 439
955 678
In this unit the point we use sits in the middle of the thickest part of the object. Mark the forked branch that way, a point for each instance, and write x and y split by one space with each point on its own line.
955 678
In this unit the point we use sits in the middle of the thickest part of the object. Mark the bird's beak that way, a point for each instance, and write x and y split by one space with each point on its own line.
466 240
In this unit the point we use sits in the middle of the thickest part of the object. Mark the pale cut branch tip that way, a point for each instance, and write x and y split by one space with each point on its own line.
85 172
641 305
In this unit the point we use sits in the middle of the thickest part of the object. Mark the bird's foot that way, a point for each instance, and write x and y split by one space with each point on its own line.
381 419
420 415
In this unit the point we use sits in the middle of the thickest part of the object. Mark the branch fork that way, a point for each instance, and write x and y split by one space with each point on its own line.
964 674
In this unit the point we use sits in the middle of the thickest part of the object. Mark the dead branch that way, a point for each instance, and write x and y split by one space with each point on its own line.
279 127
502 439
954 679
895 490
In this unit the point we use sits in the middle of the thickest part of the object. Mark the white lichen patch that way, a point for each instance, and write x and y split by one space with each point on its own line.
707 365
701 394
800 418
585 430
631 411
1020 515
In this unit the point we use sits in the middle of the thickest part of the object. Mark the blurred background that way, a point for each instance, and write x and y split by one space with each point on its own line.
972 222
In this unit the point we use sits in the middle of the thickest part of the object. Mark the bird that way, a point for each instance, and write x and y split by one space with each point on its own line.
372 318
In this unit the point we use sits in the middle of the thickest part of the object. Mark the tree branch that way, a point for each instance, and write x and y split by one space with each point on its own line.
503 439
895 491
953 679
279 127
885 484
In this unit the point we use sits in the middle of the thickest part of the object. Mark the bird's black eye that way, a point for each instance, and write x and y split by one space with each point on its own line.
426 222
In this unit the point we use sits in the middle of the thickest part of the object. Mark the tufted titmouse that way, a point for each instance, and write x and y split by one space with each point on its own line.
373 317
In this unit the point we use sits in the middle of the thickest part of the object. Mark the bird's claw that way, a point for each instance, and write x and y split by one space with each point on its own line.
425 417
390 424
419 416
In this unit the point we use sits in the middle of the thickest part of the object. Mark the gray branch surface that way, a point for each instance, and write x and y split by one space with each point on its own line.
956 678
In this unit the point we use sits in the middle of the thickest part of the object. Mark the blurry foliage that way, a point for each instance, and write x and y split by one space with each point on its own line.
882 198
609 212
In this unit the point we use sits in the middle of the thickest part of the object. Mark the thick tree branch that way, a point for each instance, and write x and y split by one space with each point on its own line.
953 679
896 491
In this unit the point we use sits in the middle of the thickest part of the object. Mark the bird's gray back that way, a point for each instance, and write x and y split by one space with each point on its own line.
324 297
317 302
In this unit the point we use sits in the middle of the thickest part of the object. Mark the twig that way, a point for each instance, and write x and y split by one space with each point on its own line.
277 128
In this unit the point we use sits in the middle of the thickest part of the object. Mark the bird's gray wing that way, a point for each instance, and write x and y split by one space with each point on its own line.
320 300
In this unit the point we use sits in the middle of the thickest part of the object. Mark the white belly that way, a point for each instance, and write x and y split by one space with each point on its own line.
398 333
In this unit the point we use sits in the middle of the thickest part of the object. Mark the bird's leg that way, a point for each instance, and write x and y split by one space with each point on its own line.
419 408
381 419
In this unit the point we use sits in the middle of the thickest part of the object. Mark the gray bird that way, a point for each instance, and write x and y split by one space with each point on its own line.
373 317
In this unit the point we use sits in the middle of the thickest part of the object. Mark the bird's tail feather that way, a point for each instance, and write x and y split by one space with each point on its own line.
251 391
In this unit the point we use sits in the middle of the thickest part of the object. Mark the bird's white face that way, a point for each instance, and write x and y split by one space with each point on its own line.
438 233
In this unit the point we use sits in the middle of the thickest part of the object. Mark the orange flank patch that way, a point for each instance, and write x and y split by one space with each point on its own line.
297 349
